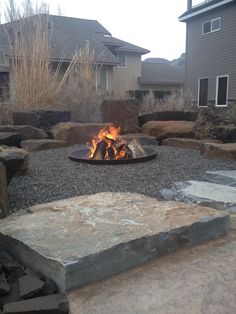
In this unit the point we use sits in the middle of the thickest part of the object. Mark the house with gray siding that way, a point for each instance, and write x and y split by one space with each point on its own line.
211 52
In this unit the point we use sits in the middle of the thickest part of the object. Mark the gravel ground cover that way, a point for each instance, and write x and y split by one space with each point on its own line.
52 176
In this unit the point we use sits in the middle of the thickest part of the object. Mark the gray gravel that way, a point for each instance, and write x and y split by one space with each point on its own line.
52 176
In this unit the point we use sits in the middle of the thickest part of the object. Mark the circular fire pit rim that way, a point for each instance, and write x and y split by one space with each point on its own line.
80 154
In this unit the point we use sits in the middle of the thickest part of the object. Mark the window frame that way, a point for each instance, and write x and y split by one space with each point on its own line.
211 21
198 94
119 65
217 89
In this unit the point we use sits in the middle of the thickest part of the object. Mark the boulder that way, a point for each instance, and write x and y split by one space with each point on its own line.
166 129
43 144
142 138
7 157
122 113
26 131
87 238
16 161
4 198
225 133
188 143
76 133
168 116
10 139
43 119
226 151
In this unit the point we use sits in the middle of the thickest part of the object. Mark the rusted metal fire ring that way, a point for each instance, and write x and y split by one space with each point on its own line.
80 155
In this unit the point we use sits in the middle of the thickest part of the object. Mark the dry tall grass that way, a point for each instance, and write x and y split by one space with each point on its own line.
32 80
78 86
34 85
177 101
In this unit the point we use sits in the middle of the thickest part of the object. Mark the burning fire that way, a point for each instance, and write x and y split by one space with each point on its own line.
109 145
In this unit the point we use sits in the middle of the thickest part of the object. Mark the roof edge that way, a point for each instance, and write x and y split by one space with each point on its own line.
186 16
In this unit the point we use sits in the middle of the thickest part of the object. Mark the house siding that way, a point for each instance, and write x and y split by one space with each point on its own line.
125 79
213 54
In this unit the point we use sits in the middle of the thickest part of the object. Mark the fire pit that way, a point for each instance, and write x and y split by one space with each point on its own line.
108 147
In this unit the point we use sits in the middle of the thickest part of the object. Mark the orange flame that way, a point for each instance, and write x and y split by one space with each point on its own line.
108 136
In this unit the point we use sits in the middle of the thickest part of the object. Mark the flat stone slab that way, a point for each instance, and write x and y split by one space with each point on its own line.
88 238
226 177
188 143
42 144
217 196
226 151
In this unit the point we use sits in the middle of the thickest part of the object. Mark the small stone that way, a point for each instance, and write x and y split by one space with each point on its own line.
4 288
8 262
52 304
18 273
29 286
49 287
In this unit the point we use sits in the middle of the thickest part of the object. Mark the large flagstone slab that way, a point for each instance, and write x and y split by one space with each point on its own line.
87 238
227 177
217 196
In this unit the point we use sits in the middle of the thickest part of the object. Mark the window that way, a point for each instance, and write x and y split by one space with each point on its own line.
121 59
3 59
203 92
222 84
211 26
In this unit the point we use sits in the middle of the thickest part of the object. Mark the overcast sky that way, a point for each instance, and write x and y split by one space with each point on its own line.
151 24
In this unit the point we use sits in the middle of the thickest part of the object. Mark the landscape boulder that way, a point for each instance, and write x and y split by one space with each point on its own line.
26 131
10 139
4 198
168 116
43 144
122 113
225 133
142 138
11 155
166 129
43 119
76 133
188 143
226 151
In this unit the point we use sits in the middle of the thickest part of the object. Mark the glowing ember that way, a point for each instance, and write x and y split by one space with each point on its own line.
109 145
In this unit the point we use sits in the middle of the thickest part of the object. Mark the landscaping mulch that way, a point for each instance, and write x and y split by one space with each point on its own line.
52 176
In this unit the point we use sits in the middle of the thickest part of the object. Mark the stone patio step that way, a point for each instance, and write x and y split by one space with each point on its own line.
214 195
188 143
227 177
87 238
